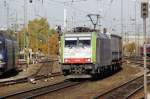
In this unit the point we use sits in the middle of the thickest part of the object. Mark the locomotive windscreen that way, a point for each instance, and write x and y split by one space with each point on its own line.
77 50
70 42
77 42
84 42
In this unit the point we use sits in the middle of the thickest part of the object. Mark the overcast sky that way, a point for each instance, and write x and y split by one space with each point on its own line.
53 10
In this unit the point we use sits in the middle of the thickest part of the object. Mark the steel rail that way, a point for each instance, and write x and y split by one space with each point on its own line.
36 76
124 84
115 88
23 80
28 94
135 91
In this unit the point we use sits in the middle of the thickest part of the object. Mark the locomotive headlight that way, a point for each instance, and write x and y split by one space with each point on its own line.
66 60
2 64
1 60
89 60
1 57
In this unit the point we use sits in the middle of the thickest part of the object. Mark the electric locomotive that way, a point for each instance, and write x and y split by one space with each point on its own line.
89 54
8 52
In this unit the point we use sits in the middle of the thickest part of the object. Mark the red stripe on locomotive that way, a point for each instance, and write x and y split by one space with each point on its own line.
77 60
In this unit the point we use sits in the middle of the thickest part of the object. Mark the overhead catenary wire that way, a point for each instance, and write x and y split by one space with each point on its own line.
62 3
65 3
69 3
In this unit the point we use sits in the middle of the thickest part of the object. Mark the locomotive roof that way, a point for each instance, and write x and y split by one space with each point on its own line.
114 35
73 34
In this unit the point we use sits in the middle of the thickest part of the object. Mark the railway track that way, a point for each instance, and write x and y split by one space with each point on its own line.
125 90
26 79
41 73
31 93
140 62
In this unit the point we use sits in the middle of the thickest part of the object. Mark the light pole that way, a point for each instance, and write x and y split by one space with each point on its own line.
25 21
65 18
144 16
138 45
135 30
26 38
122 18
7 11
121 25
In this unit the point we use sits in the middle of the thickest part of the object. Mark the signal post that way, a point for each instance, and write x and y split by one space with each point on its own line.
144 15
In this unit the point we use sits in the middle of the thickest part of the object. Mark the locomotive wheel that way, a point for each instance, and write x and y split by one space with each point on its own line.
95 76
102 71
110 68
65 72
113 68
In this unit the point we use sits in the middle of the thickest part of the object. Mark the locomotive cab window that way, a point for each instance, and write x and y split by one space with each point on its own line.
77 42
84 42
70 42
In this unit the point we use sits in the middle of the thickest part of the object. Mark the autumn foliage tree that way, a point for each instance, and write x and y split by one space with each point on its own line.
54 43
40 37
38 31
130 48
